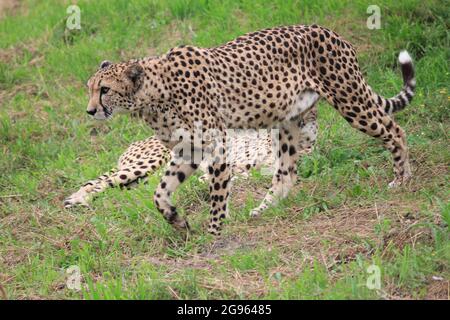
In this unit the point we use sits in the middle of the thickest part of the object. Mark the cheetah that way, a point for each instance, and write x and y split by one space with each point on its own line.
267 79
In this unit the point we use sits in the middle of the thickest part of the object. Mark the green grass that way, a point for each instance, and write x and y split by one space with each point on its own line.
317 244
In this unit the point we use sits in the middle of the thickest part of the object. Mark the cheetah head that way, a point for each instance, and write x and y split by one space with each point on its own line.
113 89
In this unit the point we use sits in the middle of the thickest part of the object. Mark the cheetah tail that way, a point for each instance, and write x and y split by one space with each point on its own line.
401 100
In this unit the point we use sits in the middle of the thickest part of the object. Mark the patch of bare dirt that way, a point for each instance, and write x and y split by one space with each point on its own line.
227 245
195 262
248 284
16 53
8 7
438 290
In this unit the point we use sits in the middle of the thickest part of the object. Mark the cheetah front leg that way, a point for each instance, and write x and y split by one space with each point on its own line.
122 178
219 189
141 159
87 191
173 177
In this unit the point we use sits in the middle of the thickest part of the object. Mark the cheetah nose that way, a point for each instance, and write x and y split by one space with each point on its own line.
91 112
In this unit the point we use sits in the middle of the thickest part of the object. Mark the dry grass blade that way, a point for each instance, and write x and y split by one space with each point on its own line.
3 293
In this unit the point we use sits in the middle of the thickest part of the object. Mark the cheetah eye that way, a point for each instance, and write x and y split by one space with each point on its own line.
104 90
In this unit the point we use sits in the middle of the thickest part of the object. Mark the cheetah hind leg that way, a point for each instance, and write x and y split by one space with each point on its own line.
304 132
285 167
258 155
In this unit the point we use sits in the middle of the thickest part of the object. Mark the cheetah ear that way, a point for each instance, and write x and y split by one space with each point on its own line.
134 72
105 63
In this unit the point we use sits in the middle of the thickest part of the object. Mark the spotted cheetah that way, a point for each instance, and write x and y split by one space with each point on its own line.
265 79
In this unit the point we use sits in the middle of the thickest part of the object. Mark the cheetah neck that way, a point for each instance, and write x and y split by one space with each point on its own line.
153 95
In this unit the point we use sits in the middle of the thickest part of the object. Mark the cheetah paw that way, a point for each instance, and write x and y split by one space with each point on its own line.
76 199
394 184
397 182
215 232
255 213
181 224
